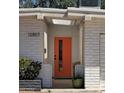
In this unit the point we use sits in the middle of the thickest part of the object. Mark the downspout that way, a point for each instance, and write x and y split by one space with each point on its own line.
81 47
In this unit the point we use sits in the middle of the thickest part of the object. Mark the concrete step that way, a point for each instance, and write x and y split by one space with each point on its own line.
70 91
62 83
30 92
64 91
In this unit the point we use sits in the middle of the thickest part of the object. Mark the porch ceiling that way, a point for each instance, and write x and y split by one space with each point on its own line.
74 21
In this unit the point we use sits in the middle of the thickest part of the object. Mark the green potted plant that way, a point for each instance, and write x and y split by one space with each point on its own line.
77 80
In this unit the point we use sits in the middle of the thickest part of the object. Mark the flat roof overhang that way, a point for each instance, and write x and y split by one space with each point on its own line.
70 13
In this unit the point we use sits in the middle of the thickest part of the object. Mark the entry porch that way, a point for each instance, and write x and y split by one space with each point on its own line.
85 28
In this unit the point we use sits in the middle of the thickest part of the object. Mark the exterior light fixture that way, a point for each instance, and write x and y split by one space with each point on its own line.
61 22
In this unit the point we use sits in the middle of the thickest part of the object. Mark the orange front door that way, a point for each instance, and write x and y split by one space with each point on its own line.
63 57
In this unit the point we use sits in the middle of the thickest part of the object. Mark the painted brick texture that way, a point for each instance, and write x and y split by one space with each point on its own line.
92 32
102 61
31 47
46 75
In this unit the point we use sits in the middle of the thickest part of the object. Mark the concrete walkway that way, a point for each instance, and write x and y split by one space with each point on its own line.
63 91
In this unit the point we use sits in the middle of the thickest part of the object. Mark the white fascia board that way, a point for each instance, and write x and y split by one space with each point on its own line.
42 10
86 10
61 13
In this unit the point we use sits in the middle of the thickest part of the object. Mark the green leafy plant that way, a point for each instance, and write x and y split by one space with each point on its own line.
62 3
77 81
28 69
102 4
24 62
47 3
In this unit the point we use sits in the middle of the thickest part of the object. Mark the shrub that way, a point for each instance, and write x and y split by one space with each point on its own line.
62 3
28 69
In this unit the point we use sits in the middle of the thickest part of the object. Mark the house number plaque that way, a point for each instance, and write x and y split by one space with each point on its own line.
34 34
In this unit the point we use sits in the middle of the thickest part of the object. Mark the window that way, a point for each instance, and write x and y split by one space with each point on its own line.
60 55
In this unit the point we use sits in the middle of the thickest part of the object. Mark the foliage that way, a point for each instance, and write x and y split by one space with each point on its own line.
28 69
78 79
102 4
78 83
42 3
52 3
62 3
24 62
27 3
47 3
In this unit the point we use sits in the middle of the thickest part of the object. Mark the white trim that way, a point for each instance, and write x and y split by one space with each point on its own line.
61 13
42 10
86 10
61 21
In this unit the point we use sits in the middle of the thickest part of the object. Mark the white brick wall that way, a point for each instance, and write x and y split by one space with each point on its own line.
92 31
102 61
31 47
46 74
